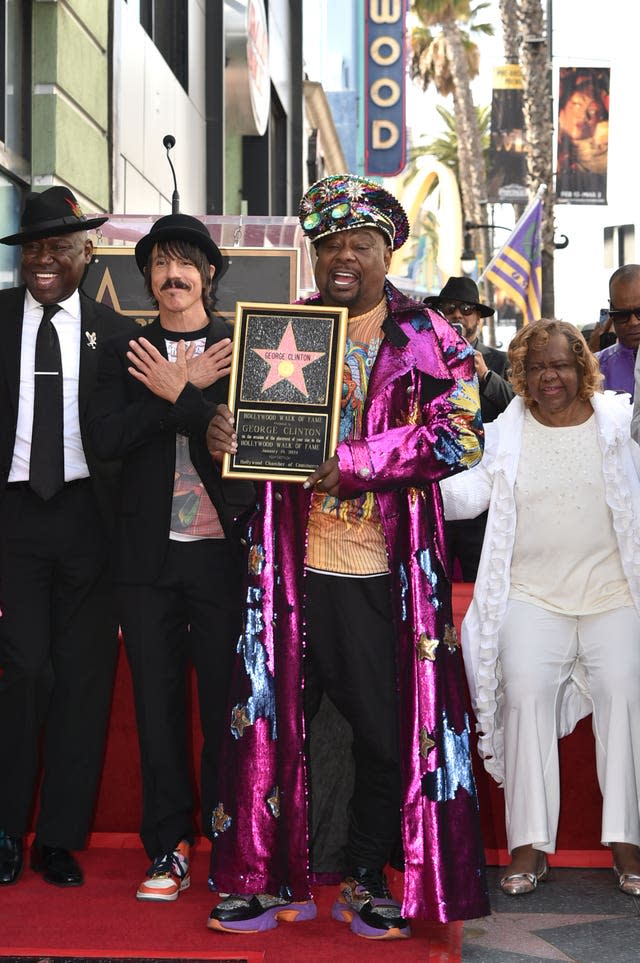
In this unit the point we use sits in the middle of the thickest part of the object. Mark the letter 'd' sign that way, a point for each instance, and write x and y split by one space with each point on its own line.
384 82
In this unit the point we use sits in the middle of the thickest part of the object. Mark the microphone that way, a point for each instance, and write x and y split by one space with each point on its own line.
169 141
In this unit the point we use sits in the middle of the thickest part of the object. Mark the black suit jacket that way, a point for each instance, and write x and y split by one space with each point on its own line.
495 390
96 320
128 421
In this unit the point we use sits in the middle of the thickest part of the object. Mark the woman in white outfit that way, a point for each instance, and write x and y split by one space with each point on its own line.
553 630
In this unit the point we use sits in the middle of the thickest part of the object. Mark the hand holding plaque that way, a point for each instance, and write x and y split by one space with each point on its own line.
285 389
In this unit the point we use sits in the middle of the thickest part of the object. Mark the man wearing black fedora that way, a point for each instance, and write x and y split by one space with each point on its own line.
459 301
176 565
58 631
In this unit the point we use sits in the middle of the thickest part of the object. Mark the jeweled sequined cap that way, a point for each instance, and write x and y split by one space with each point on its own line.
343 202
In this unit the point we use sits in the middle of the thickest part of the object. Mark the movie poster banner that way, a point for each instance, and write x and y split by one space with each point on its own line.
285 389
583 135
507 159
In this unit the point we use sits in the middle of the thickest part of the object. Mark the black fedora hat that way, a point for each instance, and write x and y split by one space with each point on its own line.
179 227
460 289
51 212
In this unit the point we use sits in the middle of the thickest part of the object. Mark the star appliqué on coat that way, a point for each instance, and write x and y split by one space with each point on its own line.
426 647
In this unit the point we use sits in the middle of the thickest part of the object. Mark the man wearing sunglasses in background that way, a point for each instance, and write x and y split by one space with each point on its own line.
459 301
617 362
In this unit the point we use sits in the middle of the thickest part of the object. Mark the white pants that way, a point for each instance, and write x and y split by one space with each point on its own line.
538 650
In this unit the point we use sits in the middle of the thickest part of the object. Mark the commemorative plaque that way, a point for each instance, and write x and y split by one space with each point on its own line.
285 389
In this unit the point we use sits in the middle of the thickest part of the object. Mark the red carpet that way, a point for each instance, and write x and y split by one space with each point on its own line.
118 807
103 919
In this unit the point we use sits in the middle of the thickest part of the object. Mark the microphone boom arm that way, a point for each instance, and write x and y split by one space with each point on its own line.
169 141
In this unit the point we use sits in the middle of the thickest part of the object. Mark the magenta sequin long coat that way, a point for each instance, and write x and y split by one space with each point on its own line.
421 423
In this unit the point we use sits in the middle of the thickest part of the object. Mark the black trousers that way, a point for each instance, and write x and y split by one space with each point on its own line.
464 544
350 655
58 642
190 615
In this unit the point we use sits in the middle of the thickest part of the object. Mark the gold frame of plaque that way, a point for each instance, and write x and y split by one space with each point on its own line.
285 389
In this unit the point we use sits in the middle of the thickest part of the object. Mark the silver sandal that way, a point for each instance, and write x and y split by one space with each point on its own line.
518 884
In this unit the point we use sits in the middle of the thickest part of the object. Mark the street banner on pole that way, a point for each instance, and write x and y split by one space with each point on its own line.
507 178
583 135
517 267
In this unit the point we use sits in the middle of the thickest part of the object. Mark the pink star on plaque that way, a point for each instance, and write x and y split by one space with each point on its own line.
286 362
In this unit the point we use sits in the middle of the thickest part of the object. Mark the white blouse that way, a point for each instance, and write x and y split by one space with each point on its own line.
565 554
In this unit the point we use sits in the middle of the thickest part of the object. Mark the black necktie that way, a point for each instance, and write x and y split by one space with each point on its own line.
46 466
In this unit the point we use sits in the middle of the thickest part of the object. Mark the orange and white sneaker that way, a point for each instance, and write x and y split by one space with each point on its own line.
167 876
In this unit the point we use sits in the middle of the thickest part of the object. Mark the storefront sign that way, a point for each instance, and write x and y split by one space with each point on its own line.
385 87
247 78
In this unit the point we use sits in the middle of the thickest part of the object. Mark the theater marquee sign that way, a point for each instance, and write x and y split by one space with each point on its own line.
385 87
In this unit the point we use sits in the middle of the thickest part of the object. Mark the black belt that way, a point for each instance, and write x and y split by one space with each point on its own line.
24 485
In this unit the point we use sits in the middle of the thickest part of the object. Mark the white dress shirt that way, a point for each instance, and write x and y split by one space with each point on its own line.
67 323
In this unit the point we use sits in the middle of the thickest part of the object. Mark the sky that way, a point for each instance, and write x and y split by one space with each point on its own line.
585 33
422 116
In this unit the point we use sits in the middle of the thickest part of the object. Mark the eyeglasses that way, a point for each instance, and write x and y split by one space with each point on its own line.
328 215
622 315
450 307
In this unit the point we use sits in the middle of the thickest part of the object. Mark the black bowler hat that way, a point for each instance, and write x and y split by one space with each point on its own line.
460 289
49 213
179 227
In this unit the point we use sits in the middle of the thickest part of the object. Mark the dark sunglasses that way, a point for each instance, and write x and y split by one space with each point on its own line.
622 315
450 307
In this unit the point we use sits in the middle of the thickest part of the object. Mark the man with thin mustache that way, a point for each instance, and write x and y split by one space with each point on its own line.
177 573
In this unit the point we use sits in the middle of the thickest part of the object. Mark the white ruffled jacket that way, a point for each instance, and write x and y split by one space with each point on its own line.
491 485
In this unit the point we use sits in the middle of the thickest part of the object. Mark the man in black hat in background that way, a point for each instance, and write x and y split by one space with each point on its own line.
58 630
177 572
459 301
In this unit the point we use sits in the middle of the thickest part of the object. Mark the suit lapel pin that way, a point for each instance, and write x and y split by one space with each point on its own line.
91 339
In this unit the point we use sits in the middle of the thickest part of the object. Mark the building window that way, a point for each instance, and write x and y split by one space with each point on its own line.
15 76
10 206
619 246
167 23
15 125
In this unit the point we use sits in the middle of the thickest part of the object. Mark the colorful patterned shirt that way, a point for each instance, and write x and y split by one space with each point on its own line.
345 536
193 515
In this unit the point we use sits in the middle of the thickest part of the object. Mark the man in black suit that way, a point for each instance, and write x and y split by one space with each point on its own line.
177 569
459 301
58 630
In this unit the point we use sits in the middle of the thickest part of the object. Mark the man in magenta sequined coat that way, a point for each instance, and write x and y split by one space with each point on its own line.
377 634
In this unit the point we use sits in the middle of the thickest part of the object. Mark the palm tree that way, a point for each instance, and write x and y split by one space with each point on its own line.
444 54
510 31
525 41
445 148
